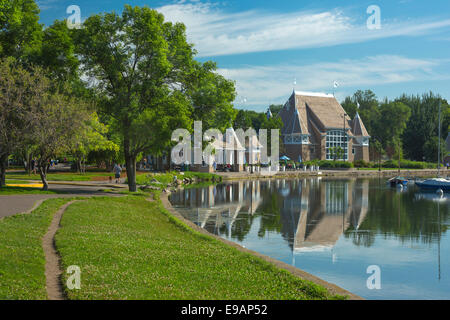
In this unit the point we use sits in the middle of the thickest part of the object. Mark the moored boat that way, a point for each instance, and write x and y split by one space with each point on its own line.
398 181
434 184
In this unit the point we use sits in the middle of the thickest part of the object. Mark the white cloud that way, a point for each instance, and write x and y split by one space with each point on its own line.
216 32
261 85
46 4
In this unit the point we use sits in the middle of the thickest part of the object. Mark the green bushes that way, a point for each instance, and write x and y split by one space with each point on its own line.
362 164
329 164
393 164
406 164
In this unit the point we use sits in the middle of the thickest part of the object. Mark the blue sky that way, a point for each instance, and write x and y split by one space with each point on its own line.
265 45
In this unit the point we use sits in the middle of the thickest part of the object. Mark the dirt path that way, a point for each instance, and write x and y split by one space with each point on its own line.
53 270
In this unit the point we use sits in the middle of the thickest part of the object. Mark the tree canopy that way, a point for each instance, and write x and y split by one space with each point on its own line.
410 122
20 31
145 69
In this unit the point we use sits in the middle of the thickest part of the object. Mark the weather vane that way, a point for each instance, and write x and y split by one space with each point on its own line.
335 85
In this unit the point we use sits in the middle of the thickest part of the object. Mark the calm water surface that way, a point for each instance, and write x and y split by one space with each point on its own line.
336 229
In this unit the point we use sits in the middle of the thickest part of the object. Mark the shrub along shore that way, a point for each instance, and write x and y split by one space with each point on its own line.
389 164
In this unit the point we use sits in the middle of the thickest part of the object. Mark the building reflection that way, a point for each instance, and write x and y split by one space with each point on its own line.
217 208
310 214
327 211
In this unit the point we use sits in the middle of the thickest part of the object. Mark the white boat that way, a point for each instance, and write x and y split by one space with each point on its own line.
434 184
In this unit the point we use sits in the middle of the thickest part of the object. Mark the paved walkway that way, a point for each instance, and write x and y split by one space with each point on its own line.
14 204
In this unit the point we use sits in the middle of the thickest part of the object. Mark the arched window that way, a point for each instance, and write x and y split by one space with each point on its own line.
337 145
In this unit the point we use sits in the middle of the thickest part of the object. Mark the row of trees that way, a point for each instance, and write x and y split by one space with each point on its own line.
403 127
118 86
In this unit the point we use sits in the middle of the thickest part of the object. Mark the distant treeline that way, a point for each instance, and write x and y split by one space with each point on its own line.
407 125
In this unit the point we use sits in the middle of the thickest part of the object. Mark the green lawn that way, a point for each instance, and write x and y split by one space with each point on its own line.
8 191
9 181
22 262
129 248
88 176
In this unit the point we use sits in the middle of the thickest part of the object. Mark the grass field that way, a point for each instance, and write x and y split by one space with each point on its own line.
129 248
89 176
22 262
8 191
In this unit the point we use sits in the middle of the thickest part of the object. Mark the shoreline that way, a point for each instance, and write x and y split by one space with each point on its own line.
231 176
332 288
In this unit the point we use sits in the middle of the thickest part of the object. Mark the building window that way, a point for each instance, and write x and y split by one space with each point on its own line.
288 139
337 145
353 150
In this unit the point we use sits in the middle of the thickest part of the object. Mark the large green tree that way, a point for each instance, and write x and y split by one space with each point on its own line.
20 31
57 53
422 126
212 96
91 137
150 81
394 117
18 92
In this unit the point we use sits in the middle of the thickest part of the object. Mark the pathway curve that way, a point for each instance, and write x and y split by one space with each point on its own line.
25 203
53 270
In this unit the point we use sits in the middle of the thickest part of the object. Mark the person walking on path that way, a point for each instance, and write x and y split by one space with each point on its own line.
117 171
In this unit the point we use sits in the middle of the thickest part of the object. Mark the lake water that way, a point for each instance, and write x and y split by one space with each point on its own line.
336 229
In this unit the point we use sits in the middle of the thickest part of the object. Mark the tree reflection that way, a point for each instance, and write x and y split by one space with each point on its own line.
313 214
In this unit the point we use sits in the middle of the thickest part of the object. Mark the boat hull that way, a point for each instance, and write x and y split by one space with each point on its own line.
396 181
433 186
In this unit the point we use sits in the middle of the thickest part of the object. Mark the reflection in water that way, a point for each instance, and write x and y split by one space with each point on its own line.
310 214
334 228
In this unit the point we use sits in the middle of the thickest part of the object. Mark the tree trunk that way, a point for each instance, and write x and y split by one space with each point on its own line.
27 162
78 165
130 162
3 161
109 165
169 159
131 173
30 158
43 174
